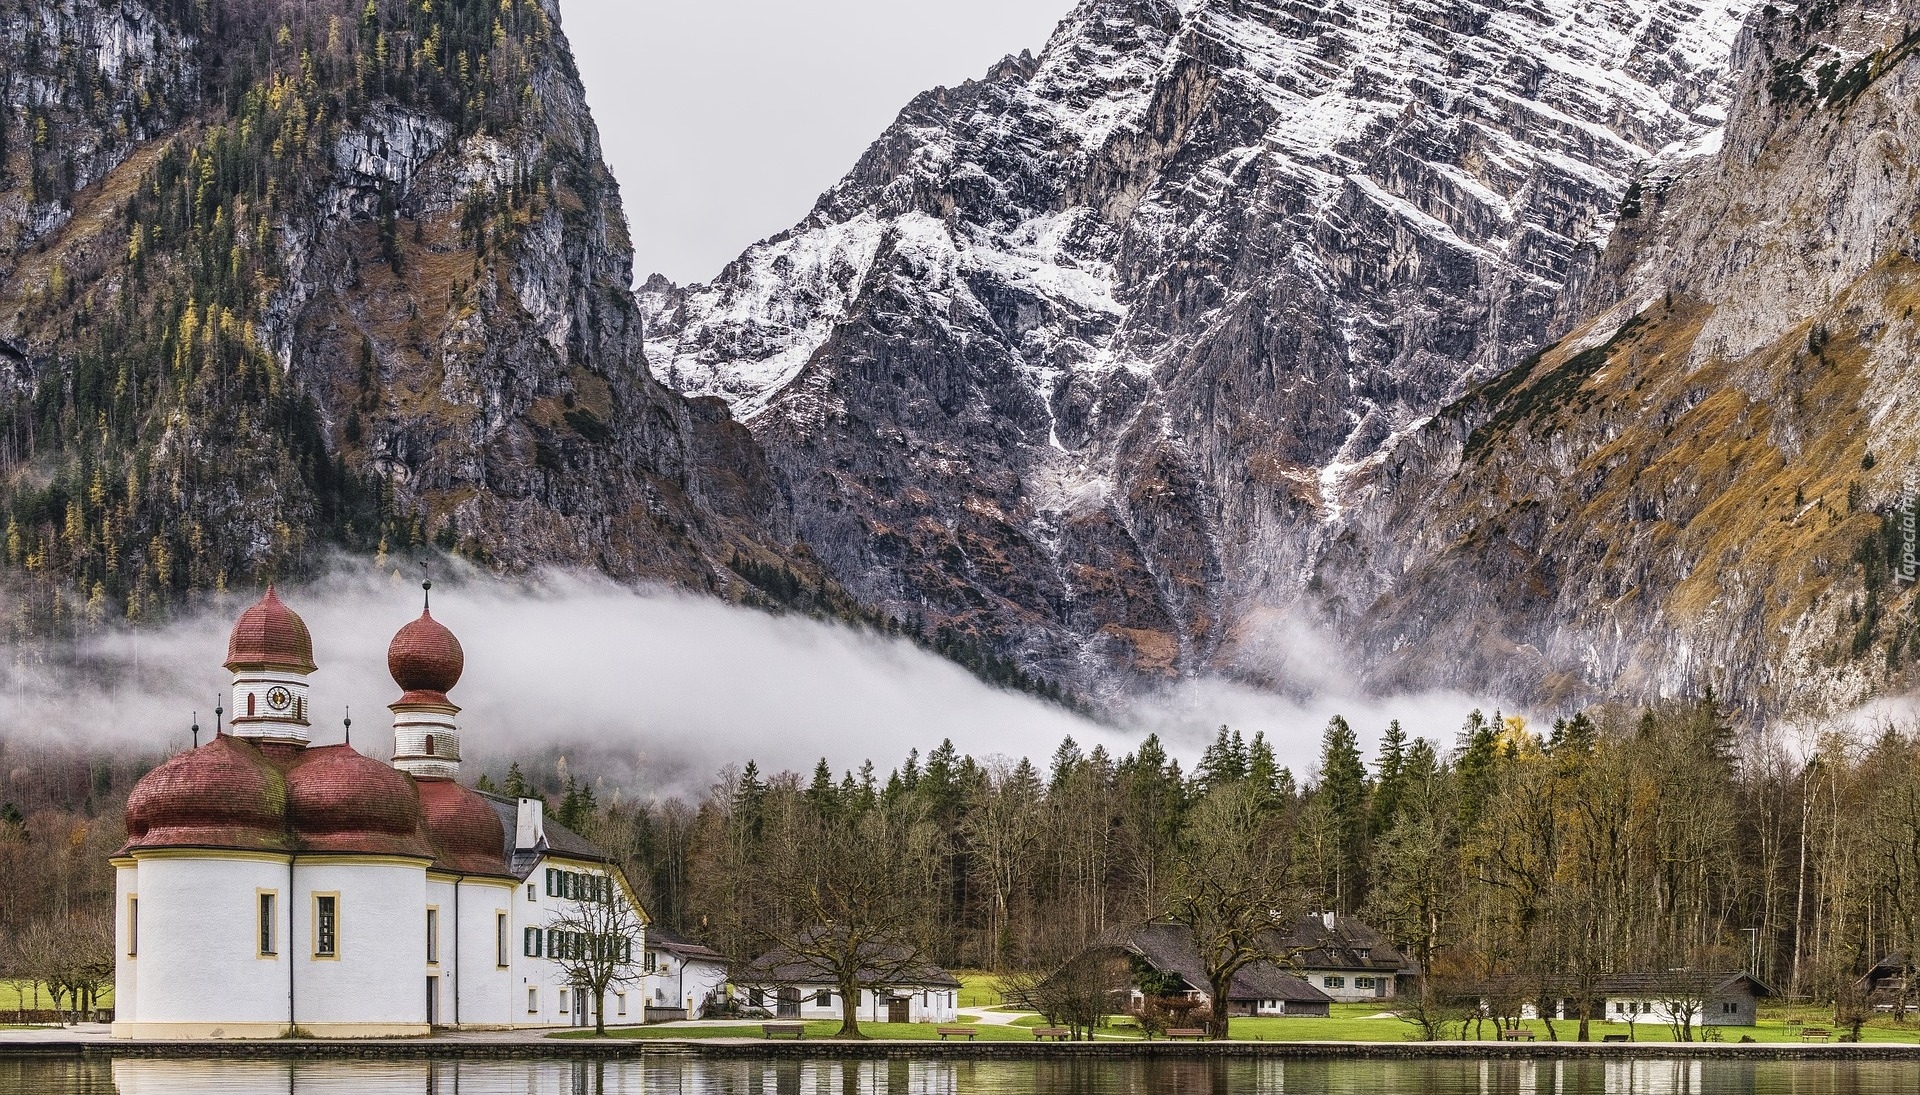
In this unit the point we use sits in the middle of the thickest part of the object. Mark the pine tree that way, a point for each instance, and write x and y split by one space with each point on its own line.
1343 784
1390 785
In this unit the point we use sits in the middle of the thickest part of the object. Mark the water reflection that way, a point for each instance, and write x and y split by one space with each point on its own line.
668 1074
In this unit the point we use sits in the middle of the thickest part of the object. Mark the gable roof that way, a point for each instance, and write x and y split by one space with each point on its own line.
1170 949
1704 983
560 840
1328 942
781 966
660 939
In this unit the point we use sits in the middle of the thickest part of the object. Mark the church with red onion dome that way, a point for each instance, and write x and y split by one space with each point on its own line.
270 886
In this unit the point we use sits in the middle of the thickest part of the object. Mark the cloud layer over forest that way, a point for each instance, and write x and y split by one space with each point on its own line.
666 687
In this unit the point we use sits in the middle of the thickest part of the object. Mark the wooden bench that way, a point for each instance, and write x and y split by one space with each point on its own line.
957 1032
1516 1035
1816 1034
795 1031
1616 1037
1058 1034
1187 1032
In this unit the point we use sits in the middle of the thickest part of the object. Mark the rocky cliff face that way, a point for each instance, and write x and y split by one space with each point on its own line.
1088 356
1703 483
279 275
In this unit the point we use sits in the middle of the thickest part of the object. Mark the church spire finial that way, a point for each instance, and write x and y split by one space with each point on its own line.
426 591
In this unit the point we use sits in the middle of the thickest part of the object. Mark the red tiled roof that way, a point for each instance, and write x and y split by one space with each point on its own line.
270 635
339 800
466 833
225 794
425 657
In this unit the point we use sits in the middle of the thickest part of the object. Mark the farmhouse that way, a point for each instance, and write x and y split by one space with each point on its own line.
1167 953
271 886
1696 998
1346 959
895 987
1890 984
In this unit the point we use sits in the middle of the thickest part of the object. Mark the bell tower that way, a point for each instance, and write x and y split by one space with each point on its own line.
270 655
426 662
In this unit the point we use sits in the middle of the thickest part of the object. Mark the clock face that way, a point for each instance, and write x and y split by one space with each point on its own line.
279 699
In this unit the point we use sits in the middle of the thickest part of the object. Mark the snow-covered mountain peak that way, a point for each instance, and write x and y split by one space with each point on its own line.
1234 248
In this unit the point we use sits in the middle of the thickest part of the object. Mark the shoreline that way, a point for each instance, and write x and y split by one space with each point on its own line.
428 1049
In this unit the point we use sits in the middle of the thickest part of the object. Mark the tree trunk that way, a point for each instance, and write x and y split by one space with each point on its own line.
849 1011
1217 1021
600 1010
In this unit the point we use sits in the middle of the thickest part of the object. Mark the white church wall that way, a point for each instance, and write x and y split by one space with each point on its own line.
198 971
126 969
376 982
470 954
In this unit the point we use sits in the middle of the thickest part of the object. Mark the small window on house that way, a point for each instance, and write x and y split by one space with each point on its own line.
756 998
823 998
530 896
620 1002
268 924
1363 982
500 939
326 925
1334 982
433 936
533 1001
553 882
563 1001
133 925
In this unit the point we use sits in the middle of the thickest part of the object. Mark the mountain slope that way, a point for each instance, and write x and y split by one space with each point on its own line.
1080 357
281 275
1705 483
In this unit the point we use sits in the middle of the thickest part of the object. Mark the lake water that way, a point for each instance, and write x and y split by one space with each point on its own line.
670 1074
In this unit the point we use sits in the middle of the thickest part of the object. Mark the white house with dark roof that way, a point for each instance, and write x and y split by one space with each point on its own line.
1262 988
1698 998
556 867
895 988
683 977
1346 959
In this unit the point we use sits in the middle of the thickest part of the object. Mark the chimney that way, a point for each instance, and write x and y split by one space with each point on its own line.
531 830
1327 919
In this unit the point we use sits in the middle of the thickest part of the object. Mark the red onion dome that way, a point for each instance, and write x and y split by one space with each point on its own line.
225 794
342 801
425 657
467 834
271 636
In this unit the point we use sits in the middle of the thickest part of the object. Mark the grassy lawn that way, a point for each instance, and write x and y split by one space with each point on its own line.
978 988
13 993
1347 1023
815 1030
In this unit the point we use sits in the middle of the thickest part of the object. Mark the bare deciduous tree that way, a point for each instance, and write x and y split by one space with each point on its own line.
597 943
1232 890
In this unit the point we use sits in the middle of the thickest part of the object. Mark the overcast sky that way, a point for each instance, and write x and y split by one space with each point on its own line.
725 119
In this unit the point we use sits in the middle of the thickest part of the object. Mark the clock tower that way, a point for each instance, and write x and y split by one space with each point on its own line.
270 655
